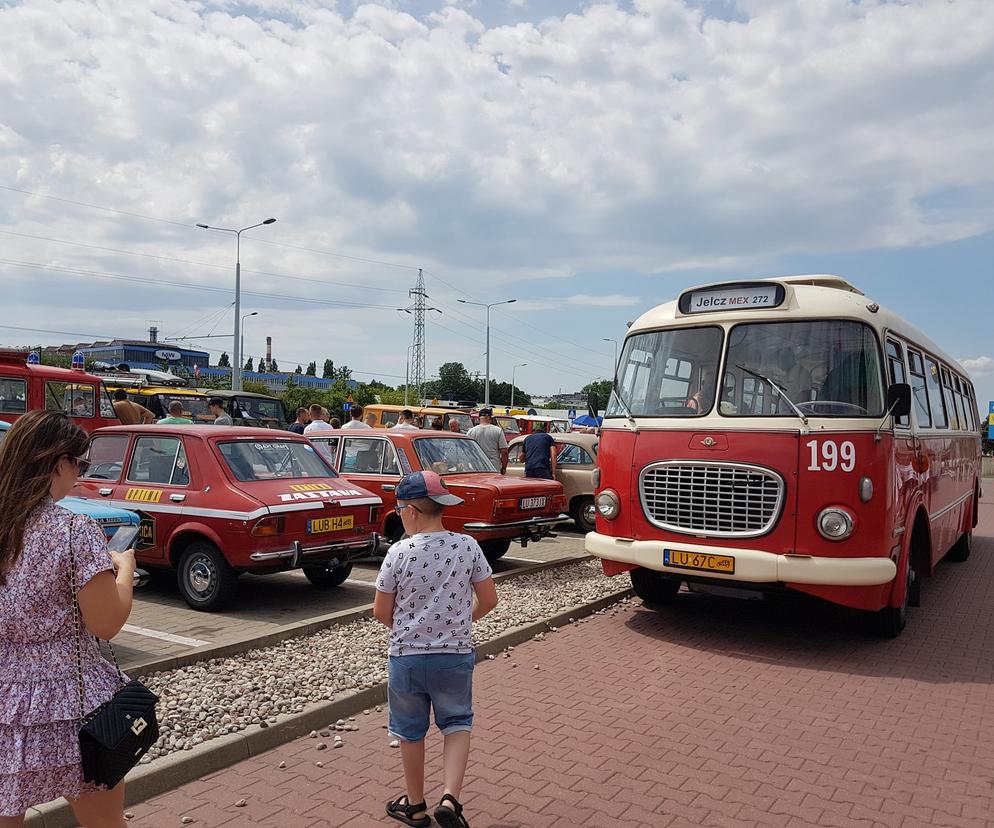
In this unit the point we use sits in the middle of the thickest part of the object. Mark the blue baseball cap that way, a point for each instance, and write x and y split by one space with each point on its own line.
426 484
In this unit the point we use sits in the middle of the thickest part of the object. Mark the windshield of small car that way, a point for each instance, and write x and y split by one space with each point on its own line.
451 455
273 460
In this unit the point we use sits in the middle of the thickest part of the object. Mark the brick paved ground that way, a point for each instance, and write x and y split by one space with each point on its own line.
269 603
715 712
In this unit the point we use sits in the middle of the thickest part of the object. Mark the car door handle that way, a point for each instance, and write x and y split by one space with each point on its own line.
177 498
389 487
106 492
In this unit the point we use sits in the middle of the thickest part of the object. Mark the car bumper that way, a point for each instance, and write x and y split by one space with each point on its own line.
751 565
527 523
343 550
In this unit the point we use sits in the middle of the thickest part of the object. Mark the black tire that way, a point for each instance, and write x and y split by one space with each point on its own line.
960 550
395 531
327 578
889 622
494 549
654 589
206 580
583 513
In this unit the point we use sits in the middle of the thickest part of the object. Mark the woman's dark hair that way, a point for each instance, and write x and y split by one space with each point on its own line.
28 457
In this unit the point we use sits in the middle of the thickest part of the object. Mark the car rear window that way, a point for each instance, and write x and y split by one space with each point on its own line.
451 455
273 460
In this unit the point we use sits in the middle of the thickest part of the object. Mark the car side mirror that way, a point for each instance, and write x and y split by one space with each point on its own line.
899 399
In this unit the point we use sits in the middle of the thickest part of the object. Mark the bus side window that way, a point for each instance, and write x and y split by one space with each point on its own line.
971 404
919 390
895 361
962 404
950 398
932 378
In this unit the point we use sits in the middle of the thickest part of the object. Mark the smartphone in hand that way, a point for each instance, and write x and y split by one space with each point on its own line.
122 539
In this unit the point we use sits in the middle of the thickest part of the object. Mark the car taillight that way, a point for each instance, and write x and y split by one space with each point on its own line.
559 503
504 505
268 527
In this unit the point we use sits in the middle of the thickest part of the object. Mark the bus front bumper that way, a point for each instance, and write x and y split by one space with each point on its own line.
751 565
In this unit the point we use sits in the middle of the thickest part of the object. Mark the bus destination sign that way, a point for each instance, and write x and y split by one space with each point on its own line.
746 296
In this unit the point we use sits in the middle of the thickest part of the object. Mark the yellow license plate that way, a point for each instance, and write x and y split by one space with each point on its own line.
329 524
699 560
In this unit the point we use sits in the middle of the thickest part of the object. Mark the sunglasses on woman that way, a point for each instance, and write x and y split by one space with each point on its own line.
82 464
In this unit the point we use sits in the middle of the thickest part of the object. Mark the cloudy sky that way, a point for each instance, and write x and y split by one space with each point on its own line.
588 159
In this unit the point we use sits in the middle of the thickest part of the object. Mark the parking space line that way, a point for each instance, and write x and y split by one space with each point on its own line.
519 558
164 636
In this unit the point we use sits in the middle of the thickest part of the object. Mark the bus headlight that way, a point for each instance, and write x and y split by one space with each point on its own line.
835 524
608 504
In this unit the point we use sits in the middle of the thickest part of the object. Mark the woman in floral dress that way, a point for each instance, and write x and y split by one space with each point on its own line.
40 460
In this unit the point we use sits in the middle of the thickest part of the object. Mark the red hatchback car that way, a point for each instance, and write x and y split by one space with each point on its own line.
218 501
497 509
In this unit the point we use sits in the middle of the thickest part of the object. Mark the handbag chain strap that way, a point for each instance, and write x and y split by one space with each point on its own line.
78 624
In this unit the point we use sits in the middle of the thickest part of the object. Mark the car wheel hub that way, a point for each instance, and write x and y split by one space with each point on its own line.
201 577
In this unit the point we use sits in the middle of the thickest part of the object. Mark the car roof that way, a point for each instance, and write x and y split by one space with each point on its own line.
400 434
211 392
205 431
574 437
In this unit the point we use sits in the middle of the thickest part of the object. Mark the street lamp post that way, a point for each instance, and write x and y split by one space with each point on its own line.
244 317
236 368
486 393
615 341
519 365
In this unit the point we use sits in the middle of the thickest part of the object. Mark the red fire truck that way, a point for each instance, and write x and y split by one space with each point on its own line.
786 434
26 386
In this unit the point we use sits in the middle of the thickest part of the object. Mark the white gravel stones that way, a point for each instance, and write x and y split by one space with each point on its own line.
282 765
241 803
395 743
228 695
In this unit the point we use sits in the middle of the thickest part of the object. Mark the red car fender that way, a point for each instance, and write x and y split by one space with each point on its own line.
187 533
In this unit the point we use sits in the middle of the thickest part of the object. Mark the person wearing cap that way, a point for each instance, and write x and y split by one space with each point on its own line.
491 439
431 587
405 421
216 406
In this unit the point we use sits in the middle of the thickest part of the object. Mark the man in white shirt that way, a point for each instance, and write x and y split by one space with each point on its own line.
356 422
491 439
405 422
317 424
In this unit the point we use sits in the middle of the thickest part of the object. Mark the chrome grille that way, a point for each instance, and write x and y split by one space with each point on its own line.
724 500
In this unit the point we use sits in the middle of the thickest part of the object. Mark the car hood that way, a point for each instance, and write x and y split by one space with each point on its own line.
100 512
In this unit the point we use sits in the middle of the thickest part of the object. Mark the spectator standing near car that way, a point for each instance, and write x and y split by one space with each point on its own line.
317 421
175 415
40 461
431 587
130 413
335 423
298 426
491 439
405 421
221 417
540 453
370 419
355 421
454 426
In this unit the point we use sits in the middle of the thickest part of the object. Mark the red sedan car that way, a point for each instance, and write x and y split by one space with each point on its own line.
218 501
497 509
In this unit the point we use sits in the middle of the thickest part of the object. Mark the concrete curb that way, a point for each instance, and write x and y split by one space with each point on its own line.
179 768
300 628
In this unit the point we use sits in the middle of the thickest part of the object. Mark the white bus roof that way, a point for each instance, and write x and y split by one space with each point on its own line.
818 296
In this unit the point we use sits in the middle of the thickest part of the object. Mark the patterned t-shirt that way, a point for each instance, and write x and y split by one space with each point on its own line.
432 576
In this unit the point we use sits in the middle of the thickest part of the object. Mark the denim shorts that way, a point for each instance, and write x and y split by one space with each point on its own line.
419 683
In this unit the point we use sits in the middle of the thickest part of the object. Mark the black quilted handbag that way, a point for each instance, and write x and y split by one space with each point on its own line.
117 734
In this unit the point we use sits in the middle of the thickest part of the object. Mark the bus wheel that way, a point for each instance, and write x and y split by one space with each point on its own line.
327 578
206 580
890 621
962 548
654 589
494 549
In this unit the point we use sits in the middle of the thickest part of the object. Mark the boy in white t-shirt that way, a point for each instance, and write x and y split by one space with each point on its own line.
425 594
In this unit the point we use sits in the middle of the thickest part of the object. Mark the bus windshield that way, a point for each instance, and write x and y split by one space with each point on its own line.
668 373
827 368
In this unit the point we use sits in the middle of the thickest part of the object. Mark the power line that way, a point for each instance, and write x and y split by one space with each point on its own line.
332 253
95 206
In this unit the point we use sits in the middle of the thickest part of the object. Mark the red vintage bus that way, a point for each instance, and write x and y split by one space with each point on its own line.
838 455
27 386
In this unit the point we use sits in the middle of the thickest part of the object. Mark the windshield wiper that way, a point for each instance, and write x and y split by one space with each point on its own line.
621 400
777 389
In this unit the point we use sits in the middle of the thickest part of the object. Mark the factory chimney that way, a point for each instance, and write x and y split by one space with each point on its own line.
269 352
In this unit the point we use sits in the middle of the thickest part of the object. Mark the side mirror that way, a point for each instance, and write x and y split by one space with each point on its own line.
899 399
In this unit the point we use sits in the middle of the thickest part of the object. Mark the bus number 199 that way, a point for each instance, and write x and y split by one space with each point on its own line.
827 455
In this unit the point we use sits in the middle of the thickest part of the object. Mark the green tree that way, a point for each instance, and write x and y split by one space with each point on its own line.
298 370
256 387
248 364
312 369
599 388
328 370
224 362
454 383
344 373
273 367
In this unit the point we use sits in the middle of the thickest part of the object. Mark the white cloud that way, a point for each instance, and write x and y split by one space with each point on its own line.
609 300
978 366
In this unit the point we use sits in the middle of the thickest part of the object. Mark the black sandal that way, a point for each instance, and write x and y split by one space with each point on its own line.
450 817
402 809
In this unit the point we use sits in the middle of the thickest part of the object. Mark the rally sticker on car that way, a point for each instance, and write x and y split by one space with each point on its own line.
144 495
315 491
